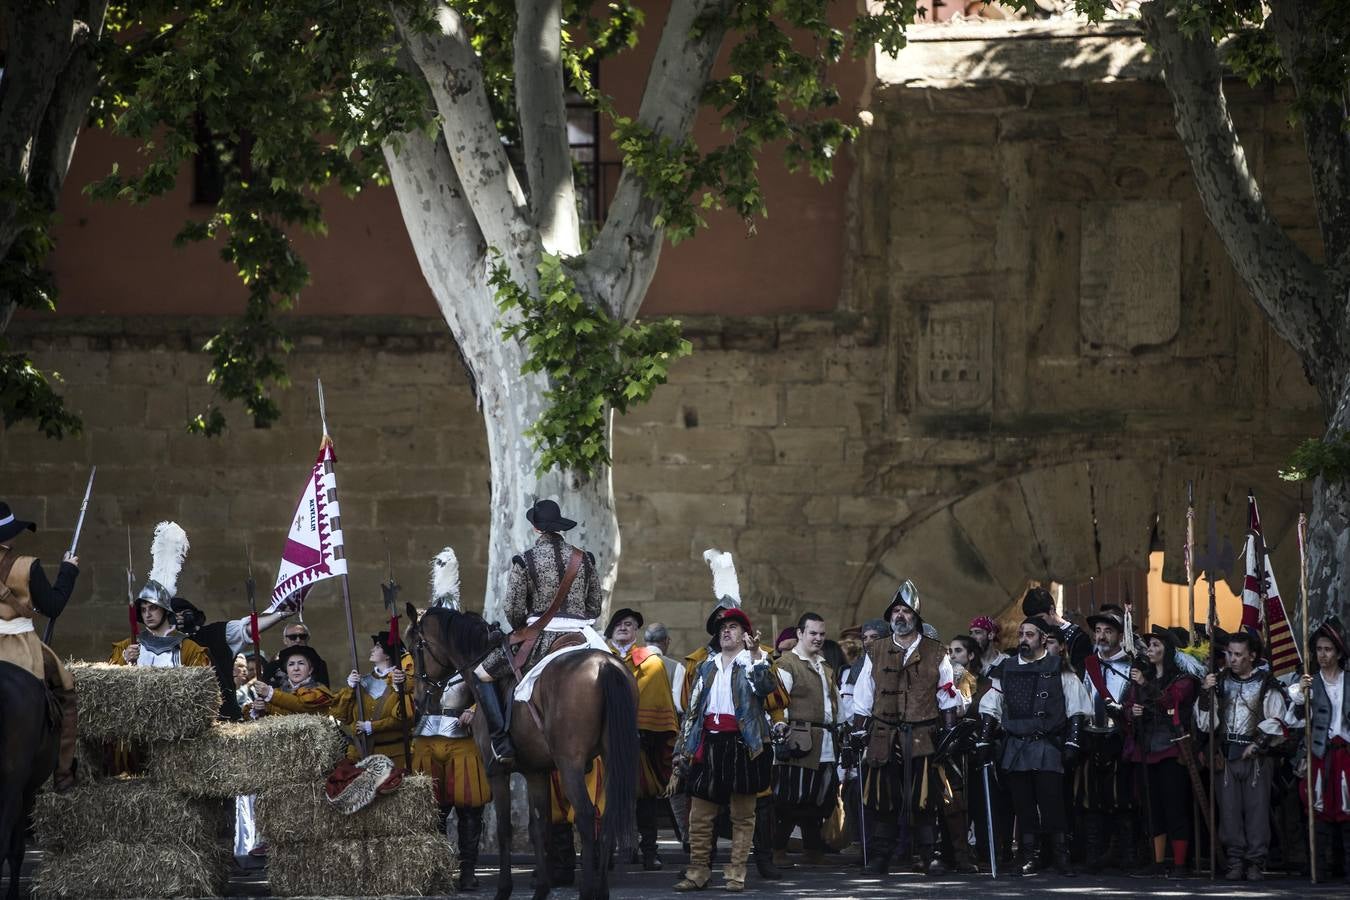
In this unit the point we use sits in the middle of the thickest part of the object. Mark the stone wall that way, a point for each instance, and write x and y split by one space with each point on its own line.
1041 341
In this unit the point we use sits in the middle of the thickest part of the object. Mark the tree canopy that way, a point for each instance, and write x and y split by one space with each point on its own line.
291 98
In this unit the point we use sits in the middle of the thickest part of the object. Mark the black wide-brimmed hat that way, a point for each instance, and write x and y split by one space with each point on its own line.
382 638
1110 616
546 516
624 613
1163 634
308 653
10 524
1180 636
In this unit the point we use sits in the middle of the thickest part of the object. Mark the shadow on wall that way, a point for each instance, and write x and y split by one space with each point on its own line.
976 554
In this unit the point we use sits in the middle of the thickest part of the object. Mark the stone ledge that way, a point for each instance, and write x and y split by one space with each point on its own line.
966 54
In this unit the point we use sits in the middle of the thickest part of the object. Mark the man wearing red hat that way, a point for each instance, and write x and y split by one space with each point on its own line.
723 746
904 693
1327 696
985 632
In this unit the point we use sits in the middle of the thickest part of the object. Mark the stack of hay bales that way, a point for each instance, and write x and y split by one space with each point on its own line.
134 836
392 847
168 833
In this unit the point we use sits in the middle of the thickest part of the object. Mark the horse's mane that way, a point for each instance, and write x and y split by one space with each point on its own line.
467 633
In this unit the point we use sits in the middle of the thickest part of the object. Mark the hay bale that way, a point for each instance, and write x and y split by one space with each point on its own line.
114 869
301 812
141 703
122 808
369 867
234 758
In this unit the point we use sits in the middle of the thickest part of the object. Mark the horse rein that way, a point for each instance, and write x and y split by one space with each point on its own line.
439 686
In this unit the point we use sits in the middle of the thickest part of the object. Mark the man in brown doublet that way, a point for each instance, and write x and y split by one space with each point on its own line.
904 697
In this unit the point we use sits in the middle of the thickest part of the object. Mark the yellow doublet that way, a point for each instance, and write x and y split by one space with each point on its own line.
386 721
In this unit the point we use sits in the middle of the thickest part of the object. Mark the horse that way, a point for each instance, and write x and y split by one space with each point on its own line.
586 703
29 737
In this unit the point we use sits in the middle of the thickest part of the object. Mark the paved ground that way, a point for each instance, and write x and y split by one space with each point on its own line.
845 883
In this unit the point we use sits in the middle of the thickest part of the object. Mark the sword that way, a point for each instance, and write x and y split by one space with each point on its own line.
74 542
989 820
251 589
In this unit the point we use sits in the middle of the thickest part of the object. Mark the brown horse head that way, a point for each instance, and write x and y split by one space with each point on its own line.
443 641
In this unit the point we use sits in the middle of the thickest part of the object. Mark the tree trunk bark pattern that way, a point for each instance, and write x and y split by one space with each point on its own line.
452 255
1329 532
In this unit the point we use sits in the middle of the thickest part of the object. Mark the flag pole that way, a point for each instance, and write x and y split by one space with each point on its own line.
360 736
1190 603
1307 717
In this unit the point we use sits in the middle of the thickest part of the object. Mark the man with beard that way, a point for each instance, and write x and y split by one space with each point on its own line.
1105 790
1077 645
904 691
1248 724
1042 709
805 779
985 632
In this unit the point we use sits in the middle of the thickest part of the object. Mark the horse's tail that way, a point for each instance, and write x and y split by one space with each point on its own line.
621 757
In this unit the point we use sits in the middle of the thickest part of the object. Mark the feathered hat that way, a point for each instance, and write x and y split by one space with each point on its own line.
726 588
167 552
445 579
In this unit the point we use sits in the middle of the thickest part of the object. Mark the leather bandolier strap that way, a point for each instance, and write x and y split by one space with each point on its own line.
525 639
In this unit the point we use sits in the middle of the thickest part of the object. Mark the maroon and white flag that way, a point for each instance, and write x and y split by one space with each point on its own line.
314 549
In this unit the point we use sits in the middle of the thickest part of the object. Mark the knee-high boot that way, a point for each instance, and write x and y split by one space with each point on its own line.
64 778
470 831
881 837
497 716
763 839
562 855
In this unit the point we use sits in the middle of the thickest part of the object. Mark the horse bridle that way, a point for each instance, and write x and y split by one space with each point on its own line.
440 686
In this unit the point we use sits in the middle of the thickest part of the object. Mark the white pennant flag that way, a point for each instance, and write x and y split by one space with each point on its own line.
313 549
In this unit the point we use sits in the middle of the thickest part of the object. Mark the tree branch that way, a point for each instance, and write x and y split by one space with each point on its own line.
490 186
67 109
449 245
1286 284
1294 25
620 265
543 124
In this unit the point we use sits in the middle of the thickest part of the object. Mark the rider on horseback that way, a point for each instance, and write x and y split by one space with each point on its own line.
24 588
536 576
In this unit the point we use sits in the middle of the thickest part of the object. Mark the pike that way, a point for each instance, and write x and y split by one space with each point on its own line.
74 543
1312 661
1196 803
251 590
1217 560
390 591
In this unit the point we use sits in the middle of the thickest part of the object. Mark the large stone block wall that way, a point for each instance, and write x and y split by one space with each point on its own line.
1040 342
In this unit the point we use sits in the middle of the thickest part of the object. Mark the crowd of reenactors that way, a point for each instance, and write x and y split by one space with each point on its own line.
1062 744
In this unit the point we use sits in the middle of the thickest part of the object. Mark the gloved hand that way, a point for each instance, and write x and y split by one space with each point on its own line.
364 726
984 752
1071 754
857 740
353 679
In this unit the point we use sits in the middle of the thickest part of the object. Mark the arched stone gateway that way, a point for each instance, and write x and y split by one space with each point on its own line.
975 554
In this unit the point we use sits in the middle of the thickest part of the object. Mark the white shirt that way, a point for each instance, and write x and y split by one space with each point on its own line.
1076 700
1116 674
720 701
1337 697
865 690
785 679
1244 716
237 634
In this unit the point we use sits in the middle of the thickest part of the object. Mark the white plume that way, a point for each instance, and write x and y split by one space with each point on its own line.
167 552
725 584
445 577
